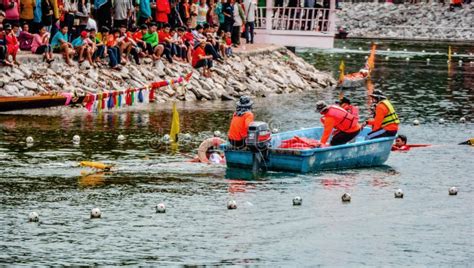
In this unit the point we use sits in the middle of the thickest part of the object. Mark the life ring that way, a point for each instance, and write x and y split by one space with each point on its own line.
205 145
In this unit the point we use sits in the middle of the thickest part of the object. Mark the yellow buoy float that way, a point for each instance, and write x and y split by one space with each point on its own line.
96 165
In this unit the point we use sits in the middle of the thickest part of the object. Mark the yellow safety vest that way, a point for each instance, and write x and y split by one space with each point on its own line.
392 116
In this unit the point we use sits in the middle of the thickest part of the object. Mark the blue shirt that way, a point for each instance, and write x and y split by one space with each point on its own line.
77 42
38 12
59 35
145 9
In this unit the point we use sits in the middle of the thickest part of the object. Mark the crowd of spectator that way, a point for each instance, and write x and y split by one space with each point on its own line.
123 30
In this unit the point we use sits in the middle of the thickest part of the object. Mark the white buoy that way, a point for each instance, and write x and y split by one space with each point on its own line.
460 62
437 52
232 204
297 201
120 138
423 51
166 138
275 130
388 49
416 122
348 56
407 59
311 54
360 48
448 61
76 139
366 57
405 50
387 58
33 217
217 133
187 136
455 53
441 121
428 60
30 139
96 213
399 193
160 208
346 197
331 55
343 47
453 191
462 120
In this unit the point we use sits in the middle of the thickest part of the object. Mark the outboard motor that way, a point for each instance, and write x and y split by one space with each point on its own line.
258 141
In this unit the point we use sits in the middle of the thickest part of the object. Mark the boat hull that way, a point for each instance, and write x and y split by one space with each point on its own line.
34 102
352 155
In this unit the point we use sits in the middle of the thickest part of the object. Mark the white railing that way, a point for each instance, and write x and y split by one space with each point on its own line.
423 32
294 19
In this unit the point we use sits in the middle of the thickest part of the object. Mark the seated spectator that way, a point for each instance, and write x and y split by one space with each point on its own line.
127 45
146 48
199 38
112 48
84 48
12 42
151 37
188 40
99 47
200 59
166 41
225 44
3 48
60 44
40 45
181 48
25 38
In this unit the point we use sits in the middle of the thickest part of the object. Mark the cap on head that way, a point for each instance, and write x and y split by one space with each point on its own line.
321 106
7 26
244 102
378 94
84 34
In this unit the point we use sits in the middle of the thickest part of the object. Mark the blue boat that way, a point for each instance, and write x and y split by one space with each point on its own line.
357 154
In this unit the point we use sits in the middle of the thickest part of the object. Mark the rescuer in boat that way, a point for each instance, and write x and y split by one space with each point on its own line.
241 120
400 144
345 104
334 117
385 122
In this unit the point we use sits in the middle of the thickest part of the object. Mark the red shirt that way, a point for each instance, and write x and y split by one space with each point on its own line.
138 36
162 36
199 51
228 41
162 11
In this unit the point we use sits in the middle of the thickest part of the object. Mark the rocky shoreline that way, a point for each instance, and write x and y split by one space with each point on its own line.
424 21
260 73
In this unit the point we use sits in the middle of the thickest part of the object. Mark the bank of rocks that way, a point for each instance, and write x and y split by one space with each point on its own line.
261 74
408 21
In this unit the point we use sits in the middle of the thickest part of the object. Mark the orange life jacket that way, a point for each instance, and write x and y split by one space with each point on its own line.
239 126
344 120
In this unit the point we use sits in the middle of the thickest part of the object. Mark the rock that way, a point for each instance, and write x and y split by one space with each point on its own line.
11 90
29 84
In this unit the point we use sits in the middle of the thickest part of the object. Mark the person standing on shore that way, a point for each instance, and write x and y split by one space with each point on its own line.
122 11
228 11
249 7
239 20
385 122
202 10
12 12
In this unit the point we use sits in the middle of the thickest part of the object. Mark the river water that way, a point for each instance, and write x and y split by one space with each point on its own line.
426 228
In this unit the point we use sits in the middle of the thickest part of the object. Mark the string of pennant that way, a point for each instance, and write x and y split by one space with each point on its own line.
97 102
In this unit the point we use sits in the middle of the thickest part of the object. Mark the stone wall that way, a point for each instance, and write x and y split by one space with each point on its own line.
407 21
260 74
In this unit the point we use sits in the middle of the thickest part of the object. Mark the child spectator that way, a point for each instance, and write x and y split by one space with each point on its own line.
99 47
147 48
109 50
60 44
40 45
151 37
200 59
25 38
167 42
12 42
3 48
84 48
182 49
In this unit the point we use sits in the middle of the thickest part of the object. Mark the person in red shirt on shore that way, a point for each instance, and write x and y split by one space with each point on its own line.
385 122
241 121
334 117
162 11
200 59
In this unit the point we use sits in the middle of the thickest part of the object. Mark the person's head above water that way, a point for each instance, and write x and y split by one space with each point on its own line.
401 140
344 100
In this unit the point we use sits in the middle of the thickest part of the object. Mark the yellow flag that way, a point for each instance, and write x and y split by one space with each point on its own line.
449 53
174 125
341 71
371 59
